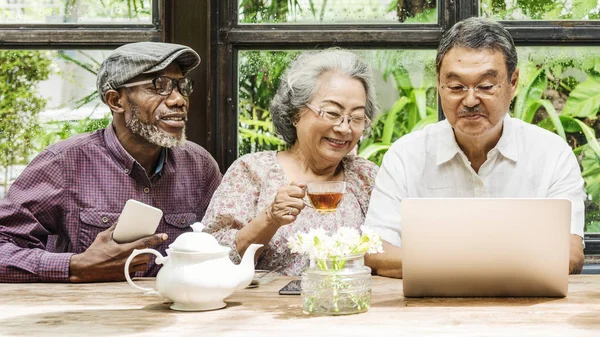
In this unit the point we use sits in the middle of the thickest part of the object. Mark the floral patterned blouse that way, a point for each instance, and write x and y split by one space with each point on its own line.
250 185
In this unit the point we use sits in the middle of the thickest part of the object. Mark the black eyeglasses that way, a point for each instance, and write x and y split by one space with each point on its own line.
164 85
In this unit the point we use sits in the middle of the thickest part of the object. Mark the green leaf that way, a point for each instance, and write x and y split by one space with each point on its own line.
420 99
390 121
372 150
573 125
403 81
424 122
570 124
83 65
590 164
584 100
527 97
554 117
590 136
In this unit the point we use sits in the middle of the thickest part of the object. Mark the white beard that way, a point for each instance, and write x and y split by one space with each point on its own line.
151 132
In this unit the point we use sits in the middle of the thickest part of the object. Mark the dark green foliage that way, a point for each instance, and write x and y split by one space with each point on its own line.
260 72
20 104
59 130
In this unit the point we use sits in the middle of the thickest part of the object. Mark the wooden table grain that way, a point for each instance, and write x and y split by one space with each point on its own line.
116 309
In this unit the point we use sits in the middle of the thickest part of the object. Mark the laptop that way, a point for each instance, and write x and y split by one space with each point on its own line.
485 247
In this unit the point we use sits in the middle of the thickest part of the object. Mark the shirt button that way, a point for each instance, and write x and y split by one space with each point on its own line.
146 190
182 221
104 219
126 171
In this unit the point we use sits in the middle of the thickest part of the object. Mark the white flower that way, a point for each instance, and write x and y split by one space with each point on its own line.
346 241
295 243
371 240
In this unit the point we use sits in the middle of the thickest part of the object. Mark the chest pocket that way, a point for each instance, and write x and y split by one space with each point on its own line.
177 223
180 220
93 221
174 224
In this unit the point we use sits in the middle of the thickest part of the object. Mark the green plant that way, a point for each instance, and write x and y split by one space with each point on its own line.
276 11
414 11
571 81
540 9
260 72
55 131
135 8
20 73
416 107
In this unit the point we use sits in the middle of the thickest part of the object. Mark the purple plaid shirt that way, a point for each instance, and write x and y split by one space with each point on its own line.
77 188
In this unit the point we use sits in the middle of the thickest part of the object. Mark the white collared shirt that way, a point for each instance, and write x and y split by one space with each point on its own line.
527 162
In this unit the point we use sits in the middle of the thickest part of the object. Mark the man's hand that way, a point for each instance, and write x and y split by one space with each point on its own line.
105 259
388 263
576 255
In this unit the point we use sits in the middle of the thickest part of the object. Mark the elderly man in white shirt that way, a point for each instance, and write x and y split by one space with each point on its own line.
478 151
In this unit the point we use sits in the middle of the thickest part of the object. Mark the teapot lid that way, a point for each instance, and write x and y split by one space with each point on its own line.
197 242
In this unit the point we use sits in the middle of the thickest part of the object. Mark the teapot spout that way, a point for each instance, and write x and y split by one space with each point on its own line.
246 267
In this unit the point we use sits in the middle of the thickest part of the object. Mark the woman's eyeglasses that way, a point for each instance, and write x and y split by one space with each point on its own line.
359 123
164 85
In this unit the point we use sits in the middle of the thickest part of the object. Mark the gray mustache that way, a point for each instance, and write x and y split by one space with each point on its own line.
470 110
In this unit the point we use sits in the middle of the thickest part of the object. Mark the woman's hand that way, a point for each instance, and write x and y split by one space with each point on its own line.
287 204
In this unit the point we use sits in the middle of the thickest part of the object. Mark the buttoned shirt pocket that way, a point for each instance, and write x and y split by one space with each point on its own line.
180 220
178 223
93 221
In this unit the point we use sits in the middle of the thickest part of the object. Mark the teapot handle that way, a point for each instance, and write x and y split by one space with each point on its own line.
136 252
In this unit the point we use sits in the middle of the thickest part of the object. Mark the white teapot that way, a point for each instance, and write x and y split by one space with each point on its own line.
197 273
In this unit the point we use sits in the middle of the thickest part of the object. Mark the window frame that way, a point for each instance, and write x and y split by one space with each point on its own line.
84 36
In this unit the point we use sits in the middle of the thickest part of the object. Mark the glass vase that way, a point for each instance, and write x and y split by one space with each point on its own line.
336 286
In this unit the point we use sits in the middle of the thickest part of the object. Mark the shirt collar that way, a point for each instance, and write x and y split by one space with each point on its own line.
161 161
123 157
447 147
507 145
116 149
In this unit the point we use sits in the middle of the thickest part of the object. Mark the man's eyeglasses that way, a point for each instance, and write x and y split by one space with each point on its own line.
164 85
483 90
359 123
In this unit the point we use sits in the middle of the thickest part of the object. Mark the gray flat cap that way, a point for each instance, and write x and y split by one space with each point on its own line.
131 60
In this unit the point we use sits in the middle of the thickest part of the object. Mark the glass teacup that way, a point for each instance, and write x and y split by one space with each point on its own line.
326 195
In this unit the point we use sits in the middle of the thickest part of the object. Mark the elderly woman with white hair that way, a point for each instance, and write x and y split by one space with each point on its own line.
324 104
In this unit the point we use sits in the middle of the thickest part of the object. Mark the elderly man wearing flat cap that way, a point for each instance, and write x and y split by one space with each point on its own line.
57 220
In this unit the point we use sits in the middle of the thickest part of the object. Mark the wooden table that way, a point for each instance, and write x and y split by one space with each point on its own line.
116 309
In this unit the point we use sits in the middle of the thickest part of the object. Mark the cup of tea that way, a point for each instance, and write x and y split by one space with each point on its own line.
325 195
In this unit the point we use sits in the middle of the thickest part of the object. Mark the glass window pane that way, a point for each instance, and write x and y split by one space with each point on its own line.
52 97
400 76
76 11
540 9
565 82
337 11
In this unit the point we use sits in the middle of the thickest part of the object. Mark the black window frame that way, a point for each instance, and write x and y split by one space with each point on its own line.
84 36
